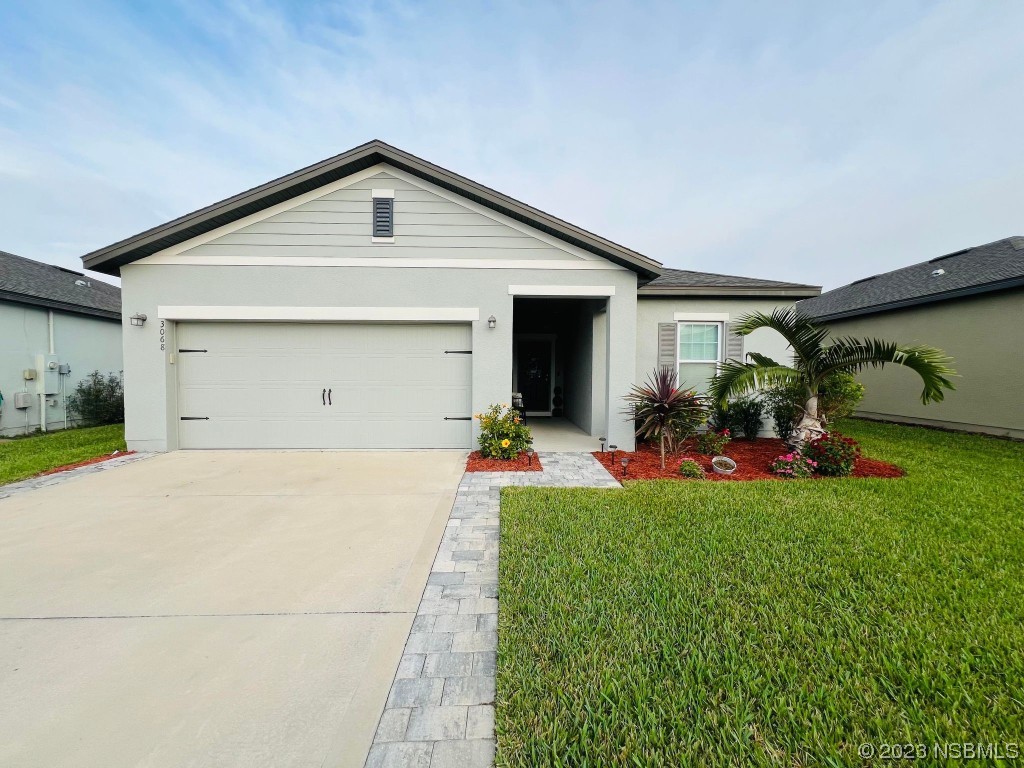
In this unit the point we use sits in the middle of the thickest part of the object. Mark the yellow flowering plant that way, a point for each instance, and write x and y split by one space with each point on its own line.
503 435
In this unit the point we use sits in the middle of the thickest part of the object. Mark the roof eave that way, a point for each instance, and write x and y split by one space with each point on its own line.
61 306
794 292
109 259
918 301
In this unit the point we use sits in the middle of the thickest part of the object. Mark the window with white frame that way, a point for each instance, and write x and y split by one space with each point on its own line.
700 351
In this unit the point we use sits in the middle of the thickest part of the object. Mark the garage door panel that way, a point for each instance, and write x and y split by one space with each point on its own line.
261 385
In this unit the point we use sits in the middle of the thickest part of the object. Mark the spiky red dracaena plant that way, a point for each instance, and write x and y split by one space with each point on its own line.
661 406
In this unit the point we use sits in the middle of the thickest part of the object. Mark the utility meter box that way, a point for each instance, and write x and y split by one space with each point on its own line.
48 382
22 400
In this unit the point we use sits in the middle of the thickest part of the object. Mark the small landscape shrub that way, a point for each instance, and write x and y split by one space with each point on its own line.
792 465
712 443
98 399
835 455
723 419
839 396
783 404
690 468
503 435
748 413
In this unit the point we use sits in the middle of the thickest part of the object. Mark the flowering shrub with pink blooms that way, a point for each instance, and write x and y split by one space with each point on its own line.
793 465
835 455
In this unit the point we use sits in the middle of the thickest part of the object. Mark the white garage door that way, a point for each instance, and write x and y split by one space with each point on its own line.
297 385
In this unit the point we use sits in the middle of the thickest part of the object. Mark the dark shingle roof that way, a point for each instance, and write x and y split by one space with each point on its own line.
681 282
112 257
980 269
33 282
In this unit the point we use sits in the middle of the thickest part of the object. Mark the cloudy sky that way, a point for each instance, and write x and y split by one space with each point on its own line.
818 142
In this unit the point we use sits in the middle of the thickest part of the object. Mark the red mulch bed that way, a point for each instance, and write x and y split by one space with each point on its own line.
752 458
477 463
85 463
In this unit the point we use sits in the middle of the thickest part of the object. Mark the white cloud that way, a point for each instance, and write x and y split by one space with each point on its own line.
809 142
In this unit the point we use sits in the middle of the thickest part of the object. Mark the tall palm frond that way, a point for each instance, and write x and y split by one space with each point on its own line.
735 379
854 355
803 335
814 361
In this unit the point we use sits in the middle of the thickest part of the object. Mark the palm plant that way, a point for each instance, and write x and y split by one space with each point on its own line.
814 361
661 408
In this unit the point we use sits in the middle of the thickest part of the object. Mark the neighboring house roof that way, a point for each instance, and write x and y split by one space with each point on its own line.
981 269
684 282
110 258
32 282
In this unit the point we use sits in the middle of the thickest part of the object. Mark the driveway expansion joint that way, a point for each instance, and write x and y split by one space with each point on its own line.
440 711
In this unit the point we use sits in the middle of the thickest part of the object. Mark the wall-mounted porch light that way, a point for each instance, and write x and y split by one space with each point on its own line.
492 322
138 320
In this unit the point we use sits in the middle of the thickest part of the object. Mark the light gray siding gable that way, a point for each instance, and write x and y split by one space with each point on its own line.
427 225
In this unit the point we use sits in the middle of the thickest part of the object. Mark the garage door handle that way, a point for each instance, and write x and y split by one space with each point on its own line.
458 418
195 418
323 396
182 351
329 397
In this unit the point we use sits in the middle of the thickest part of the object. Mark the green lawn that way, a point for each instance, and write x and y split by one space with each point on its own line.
767 623
29 456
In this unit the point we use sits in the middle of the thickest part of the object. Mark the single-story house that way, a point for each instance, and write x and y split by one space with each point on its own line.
56 327
375 300
970 304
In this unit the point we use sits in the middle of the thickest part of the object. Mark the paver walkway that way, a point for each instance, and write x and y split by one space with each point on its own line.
45 481
440 712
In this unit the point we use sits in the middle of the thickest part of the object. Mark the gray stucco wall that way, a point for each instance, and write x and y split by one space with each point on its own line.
580 369
85 343
652 311
150 378
985 337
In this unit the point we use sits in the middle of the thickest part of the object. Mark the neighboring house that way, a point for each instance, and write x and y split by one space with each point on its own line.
56 327
375 300
970 304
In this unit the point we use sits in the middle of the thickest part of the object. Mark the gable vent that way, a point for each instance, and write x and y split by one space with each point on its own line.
383 217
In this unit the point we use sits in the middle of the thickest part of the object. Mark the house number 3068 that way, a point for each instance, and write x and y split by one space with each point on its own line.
163 335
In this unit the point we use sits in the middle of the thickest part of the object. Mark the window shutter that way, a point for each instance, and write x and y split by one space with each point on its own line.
733 345
383 217
668 353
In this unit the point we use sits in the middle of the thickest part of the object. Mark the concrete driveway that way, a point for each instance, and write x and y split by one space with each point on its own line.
213 608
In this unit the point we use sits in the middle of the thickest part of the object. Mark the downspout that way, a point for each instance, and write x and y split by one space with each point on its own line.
42 374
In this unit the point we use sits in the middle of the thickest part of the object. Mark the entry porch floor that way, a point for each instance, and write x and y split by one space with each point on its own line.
560 435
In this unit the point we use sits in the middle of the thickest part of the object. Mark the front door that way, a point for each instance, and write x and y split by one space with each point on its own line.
535 374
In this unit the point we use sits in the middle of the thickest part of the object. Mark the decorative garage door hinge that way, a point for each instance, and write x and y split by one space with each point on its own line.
195 418
458 351
191 350
458 418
